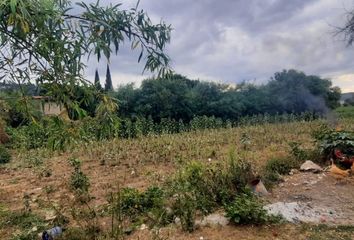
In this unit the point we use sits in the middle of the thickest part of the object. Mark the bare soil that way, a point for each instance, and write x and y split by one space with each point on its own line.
331 198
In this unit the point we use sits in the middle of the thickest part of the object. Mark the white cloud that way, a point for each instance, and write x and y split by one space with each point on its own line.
346 82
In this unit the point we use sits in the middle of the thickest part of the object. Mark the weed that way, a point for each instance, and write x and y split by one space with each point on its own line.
25 221
5 156
134 203
49 189
247 209
276 167
281 165
297 152
79 182
322 231
74 234
185 208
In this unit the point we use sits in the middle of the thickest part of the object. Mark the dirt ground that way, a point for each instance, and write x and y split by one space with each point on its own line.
331 199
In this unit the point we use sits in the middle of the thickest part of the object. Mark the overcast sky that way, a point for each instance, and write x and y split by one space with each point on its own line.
235 40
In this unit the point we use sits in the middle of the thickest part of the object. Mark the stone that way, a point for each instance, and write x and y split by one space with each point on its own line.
310 166
50 215
293 171
258 188
143 227
177 221
215 219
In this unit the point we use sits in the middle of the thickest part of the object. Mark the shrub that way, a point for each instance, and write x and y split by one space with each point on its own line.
78 180
5 156
185 207
328 140
298 152
281 165
240 171
133 203
276 167
246 209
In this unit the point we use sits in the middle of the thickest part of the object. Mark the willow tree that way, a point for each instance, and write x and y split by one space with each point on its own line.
48 41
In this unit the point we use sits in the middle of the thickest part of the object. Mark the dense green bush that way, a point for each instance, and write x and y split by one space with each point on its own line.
5 156
247 209
328 140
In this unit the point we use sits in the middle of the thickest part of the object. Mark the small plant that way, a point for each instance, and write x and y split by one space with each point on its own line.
185 208
5 156
133 203
281 166
239 170
78 180
297 151
276 167
245 140
247 209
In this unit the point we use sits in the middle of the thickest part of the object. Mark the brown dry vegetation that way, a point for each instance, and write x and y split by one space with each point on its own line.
143 162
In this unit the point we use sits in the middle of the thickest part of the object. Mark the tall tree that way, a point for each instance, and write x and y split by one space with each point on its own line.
108 85
97 81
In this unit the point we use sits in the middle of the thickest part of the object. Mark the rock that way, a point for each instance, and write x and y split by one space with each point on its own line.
128 230
258 188
143 227
311 167
50 215
293 171
177 221
215 219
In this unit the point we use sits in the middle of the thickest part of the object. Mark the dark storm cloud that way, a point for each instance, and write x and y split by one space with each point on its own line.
235 40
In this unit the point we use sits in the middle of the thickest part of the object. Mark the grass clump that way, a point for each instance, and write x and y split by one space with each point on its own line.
201 189
247 209
23 222
129 208
134 203
275 167
5 156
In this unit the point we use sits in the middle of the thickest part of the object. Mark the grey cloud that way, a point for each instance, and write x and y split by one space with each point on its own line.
235 40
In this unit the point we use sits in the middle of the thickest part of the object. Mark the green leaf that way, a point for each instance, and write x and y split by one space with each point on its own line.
13 4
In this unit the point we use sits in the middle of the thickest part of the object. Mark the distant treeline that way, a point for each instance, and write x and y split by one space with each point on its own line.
180 98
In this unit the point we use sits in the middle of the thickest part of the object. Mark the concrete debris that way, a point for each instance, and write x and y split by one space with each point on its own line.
310 167
295 212
143 227
215 219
